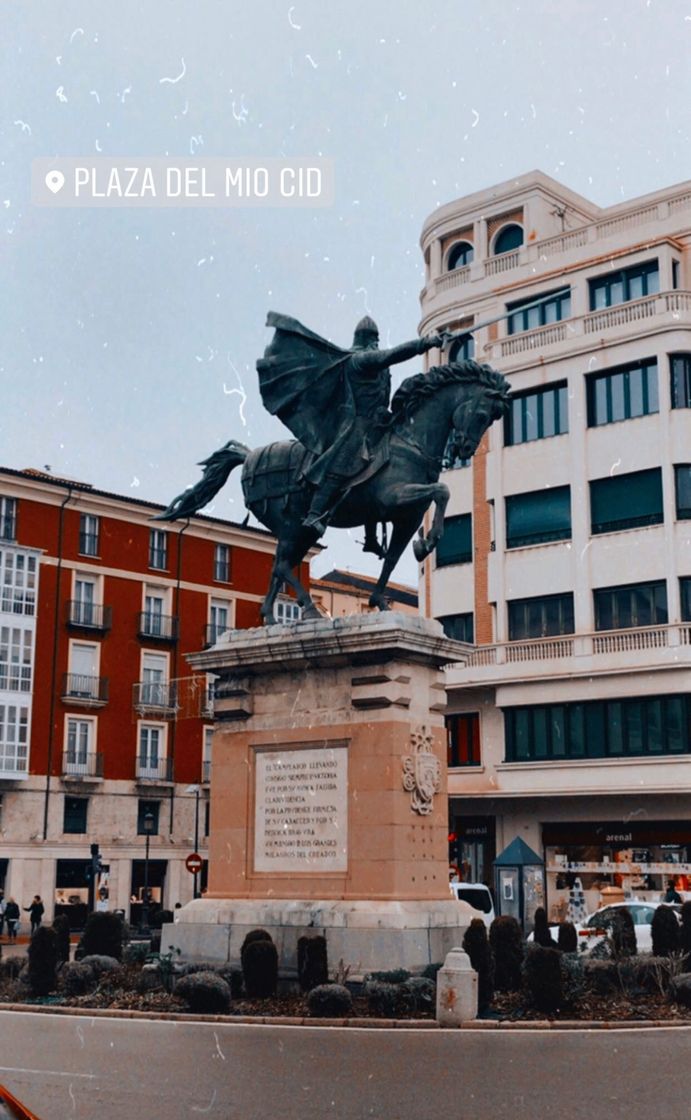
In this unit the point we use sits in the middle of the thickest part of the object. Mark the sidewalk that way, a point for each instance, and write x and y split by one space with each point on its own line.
19 947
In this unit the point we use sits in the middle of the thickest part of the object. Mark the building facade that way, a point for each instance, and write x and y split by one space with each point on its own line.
105 733
566 560
338 593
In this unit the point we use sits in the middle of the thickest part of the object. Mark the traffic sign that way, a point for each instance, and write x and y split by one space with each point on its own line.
194 863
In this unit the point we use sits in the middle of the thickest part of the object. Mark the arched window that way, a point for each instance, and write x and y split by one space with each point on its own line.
460 255
462 350
508 238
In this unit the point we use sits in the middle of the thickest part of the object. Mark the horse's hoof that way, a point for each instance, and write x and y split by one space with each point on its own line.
420 550
311 612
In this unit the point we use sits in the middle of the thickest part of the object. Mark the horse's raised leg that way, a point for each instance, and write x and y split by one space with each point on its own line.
403 528
289 554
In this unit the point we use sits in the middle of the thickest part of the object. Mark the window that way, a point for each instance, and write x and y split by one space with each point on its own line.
463 739
675 274
538 517
626 501
88 534
508 238
206 753
144 808
154 690
83 679
14 738
638 604
461 254
633 727
158 549
456 545
680 370
83 607
74 814
15 659
537 414
541 617
287 610
219 619
8 519
152 751
222 563
622 394
524 317
685 592
624 285
80 739
462 350
682 487
459 627
18 577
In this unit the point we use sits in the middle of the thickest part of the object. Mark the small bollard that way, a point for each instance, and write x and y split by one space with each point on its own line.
456 990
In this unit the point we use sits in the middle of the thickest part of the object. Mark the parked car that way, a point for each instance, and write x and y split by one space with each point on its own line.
597 926
476 895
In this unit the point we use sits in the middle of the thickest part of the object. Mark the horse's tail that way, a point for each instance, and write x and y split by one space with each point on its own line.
216 470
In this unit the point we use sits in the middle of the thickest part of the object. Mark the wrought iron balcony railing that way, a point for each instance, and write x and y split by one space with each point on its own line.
163 627
206 771
155 696
89 616
84 689
151 769
82 764
213 632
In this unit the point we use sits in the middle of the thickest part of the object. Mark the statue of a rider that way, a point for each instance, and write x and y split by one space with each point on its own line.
336 402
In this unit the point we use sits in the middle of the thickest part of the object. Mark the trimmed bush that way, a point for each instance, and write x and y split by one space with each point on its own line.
572 977
623 934
476 945
685 933
382 998
100 964
542 934
329 1001
543 978
103 936
205 993
418 994
159 917
256 935
680 989
393 976
313 968
567 938
43 961
232 977
77 978
430 971
260 969
135 953
151 978
665 932
601 977
61 926
506 940
10 969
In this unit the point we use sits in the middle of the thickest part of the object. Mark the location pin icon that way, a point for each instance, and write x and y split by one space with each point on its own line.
55 181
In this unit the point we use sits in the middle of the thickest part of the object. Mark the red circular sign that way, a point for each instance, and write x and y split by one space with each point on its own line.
193 863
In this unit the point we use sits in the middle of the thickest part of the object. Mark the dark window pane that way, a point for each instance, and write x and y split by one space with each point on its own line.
626 501
509 238
618 408
522 733
75 811
626 284
458 626
680 372
685 590
676 725
539 516
540 741
144 808
558 731
540 617
642 604
595 735
463 739
655 740
615 731
575 721
456 545
460 255
633 721
682 477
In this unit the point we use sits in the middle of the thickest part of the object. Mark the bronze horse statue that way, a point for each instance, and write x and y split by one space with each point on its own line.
448 409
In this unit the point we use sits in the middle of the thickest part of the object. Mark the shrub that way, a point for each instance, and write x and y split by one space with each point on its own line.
567 938
77 978
135 953
103 936
506 940
10 969
155 941
329 1001
541 934
232 977
61 926
100 964
260 969
151 978
623 934
205 993
685 933
430 970
159 917
572 977
256 935
382 998
601 977
43 961
665 932
543 977
393 976
417 994
476 945
313 969
680 989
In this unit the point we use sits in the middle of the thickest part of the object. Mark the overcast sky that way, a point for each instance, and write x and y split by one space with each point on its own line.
128 338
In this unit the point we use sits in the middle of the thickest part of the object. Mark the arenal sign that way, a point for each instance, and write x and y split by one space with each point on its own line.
193 863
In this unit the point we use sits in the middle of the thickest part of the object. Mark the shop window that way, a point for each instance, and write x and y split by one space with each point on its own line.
682 486
463 739
622 394
537 414
680 377
626 501
624 285
144 807
456 545
541 617
88 534
538 517
522 316
637 604
8 519
509 237
461 254
458 626
74 815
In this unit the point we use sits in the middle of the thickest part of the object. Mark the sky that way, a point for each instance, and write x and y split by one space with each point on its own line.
128 338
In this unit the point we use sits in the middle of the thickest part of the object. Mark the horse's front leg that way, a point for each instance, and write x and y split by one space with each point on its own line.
403 528
435 492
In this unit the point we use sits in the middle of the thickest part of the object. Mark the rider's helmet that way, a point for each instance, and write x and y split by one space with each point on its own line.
366 334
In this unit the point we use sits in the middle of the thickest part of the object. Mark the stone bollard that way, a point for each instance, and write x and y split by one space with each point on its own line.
456 990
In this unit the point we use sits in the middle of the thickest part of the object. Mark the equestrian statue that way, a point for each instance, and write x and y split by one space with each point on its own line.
355 460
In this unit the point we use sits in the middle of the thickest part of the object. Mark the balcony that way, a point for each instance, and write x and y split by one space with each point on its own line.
155 698
159 627
213 632
206 771
12 768
150 769
91 692
89 616
82 766
632 650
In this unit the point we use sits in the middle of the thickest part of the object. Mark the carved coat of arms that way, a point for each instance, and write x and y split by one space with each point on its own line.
421 771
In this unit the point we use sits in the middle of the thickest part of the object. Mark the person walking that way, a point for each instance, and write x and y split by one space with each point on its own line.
671 895
12 919
35 912
3 904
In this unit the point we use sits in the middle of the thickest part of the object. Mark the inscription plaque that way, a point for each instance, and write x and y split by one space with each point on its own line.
301 810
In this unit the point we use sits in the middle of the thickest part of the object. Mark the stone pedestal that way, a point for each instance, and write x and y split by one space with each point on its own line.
328 794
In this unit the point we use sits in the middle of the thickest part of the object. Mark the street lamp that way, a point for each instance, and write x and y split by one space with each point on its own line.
196 790
149 823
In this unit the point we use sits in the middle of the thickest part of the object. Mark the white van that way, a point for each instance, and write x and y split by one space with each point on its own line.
476 895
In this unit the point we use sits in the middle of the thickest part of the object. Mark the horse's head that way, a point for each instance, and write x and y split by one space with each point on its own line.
484 400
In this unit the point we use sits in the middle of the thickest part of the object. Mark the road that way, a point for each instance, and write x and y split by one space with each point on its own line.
80 1068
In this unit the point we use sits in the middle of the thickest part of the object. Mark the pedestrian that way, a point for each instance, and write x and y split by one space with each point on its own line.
672 894
35 912
12 919
3 904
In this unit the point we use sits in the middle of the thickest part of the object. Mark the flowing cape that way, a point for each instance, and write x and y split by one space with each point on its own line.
303 380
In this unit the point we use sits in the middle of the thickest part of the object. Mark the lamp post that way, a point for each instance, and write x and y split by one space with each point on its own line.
149 823
196 790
